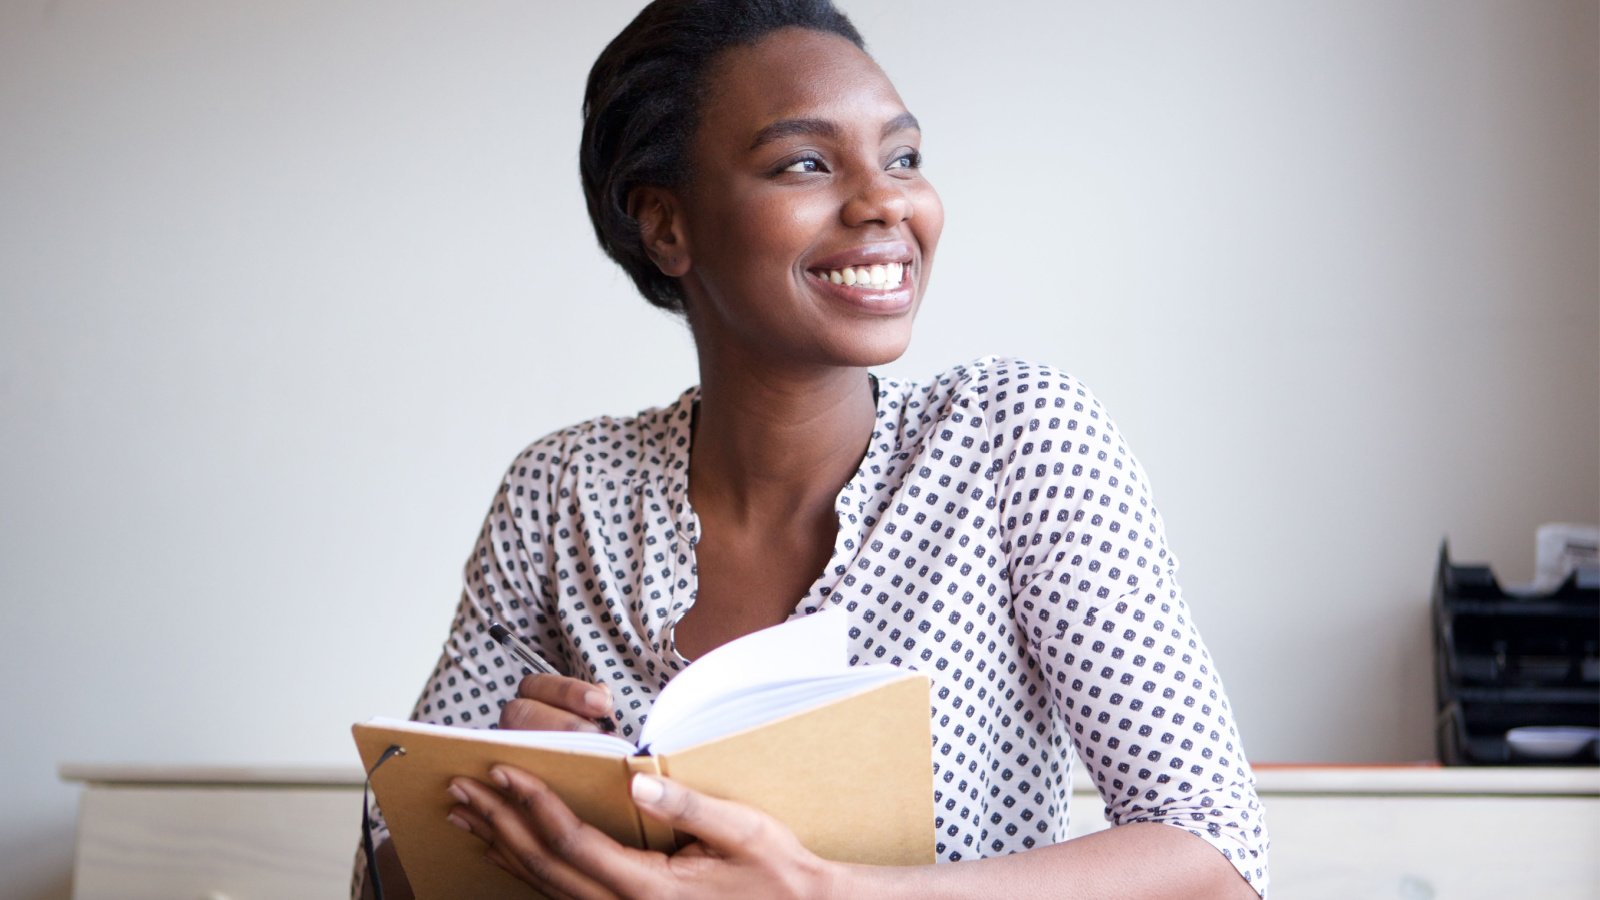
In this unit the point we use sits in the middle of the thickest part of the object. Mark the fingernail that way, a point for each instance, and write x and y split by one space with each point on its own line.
598 700
458 822
647 789
460 795
499 777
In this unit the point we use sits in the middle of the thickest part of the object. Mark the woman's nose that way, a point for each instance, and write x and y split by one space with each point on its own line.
879 198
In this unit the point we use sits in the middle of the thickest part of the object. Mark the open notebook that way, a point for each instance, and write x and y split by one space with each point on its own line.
776 719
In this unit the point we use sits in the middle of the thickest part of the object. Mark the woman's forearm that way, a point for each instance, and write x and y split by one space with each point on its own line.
1142 861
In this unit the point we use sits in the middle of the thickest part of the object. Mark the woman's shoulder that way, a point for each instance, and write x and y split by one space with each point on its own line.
1004 388
618 448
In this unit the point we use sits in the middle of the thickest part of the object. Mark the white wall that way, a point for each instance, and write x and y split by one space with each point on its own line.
284 285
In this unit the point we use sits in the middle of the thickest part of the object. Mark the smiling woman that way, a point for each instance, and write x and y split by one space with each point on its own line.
749 165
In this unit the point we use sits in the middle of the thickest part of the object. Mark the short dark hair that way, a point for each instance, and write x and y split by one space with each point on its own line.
641 108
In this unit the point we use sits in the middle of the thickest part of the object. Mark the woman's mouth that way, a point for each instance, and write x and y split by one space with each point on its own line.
883 277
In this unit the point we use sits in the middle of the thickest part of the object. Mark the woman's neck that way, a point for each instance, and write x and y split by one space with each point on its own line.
772 445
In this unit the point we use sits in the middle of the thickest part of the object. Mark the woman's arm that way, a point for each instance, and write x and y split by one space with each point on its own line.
1118 862
1094 587
742 852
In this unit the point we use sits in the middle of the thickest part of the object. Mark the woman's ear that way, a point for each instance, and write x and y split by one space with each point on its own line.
661 230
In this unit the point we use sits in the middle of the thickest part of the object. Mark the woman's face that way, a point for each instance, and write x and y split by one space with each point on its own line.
809 228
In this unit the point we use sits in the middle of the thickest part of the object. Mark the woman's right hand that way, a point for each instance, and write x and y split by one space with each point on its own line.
556 703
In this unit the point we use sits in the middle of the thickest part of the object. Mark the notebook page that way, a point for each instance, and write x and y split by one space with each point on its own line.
808 647
768 703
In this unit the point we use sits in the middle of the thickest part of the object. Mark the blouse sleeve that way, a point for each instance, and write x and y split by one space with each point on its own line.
1097 596
504 580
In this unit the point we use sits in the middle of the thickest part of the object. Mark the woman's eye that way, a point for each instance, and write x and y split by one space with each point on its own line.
911 159
807 165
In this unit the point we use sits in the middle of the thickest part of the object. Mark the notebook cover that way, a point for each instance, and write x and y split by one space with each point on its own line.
852 778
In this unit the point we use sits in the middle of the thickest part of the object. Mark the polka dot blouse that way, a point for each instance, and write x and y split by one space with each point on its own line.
998 537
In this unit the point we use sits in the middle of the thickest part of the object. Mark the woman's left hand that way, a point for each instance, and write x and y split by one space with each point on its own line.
739 851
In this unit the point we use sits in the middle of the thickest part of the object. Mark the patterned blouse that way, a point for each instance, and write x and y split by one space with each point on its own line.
998 537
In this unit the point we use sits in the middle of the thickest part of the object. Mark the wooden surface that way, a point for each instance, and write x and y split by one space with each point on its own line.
1271 778
1340 840
206 843
1397 833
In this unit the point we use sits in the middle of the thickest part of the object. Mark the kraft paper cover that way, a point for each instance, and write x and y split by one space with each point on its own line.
853 779
443 862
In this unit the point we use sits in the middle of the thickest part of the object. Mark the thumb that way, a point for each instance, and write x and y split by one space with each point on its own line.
727 826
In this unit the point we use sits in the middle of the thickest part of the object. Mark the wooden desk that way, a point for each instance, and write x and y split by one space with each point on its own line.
1409 833
1422 832
226 833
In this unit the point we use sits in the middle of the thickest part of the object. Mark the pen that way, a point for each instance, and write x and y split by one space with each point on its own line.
533 663
530 660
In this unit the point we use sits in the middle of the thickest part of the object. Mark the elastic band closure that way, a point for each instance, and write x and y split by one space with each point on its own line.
366 820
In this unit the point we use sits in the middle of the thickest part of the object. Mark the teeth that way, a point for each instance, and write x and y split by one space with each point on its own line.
876 276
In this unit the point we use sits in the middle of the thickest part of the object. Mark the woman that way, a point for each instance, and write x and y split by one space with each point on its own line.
751 167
